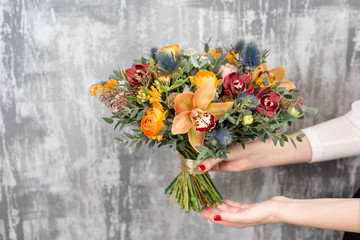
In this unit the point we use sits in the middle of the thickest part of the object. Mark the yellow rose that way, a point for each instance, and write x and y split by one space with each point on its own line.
203 77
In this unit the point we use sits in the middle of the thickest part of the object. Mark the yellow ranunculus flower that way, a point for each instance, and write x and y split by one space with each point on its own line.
203 77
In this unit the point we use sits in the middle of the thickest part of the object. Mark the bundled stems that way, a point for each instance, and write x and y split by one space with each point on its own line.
193 191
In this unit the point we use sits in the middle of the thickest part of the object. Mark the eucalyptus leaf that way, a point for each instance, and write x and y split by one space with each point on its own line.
108 120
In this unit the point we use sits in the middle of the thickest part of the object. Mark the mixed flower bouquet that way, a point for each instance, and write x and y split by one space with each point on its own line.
199 103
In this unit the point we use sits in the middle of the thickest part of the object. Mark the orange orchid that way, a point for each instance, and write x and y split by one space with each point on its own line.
275 75
173 49
196 113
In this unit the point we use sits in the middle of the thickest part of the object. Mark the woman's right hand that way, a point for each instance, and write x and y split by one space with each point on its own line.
258 154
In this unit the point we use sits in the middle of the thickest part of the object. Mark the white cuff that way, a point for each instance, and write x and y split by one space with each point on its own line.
336 138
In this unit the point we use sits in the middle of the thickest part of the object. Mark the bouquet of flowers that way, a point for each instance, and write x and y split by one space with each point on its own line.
199 103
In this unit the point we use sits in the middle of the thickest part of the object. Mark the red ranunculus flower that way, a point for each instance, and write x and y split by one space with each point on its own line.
139 72
234 84
269 103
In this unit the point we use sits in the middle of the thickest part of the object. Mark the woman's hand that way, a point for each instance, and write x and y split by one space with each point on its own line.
239 215
336 213
258 154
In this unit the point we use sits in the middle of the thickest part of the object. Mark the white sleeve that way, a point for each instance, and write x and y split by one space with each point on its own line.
336 138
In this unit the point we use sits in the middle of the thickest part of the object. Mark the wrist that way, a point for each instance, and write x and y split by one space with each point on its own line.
280 209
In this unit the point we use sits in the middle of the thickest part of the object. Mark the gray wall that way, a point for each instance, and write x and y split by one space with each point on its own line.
62 175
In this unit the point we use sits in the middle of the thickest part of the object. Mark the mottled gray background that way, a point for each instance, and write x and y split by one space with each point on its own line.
62 174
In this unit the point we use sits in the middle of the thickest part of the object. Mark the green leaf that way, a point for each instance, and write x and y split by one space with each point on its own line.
206 47
177 84
140 115
131 98
143 61
134 112
108 120
293 143
212 59
274 140
128 135
202 148
118 123
182 145
138 145
194 61
232 120
151 144
282 143
310 111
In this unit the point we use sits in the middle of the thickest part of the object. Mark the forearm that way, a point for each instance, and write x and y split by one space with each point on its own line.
259 154
335 214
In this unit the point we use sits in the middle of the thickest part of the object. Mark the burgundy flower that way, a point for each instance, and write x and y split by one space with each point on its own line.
139 71
269 103
233 83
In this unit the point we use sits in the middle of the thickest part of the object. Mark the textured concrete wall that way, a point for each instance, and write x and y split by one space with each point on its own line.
62 175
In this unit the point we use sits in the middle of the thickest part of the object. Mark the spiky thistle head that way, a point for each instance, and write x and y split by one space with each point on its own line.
239 46
251 55
166 61
153 52
221 138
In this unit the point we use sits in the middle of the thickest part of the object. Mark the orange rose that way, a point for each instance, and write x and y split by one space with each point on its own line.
203 77
152 123
174 50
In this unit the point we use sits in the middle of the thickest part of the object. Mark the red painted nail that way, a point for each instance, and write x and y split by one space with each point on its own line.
217 218
202 167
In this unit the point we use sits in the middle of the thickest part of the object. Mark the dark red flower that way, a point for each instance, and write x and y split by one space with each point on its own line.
234 84
269 103
139 72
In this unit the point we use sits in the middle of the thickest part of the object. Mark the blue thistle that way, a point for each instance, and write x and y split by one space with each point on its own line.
239 46
249 101
166 61
251 55
153 52
222 137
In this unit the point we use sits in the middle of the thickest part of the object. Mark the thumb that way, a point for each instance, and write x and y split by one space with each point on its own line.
209 163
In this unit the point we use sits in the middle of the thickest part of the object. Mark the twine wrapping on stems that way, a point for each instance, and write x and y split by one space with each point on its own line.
191 166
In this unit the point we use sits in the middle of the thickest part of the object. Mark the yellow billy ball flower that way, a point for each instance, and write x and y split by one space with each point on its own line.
248 119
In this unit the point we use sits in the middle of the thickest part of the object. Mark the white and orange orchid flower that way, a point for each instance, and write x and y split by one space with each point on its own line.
196 113
275 75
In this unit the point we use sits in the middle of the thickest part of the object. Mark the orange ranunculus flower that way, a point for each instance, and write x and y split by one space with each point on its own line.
231 57
213 52
203 77
174 50
152 123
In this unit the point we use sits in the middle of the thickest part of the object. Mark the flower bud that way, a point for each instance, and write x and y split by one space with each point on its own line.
248 119
293 112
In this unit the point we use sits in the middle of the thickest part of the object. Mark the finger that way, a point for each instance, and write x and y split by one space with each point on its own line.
228 218
208 164
227 208
210 213
236 204
230 166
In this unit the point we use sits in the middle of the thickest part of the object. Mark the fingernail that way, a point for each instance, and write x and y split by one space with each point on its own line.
217 218
202 167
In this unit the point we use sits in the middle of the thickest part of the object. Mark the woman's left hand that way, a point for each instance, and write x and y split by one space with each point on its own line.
234 214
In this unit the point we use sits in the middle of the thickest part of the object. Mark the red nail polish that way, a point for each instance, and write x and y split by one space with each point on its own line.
217 218
202 167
